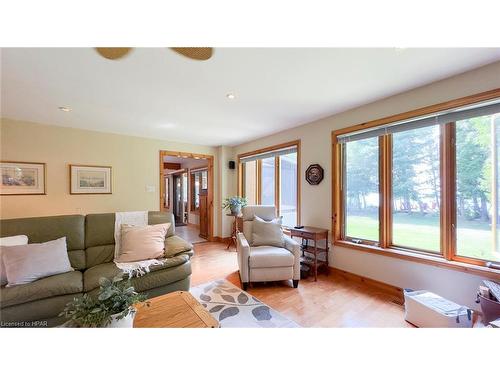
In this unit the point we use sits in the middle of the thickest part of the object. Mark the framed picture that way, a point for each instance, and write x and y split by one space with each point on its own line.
89 179
22 178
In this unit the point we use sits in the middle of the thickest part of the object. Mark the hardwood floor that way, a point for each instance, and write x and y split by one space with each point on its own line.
332 301
190 233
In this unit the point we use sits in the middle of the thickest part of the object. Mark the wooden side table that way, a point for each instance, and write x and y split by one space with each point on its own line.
314 234
174 310
235 231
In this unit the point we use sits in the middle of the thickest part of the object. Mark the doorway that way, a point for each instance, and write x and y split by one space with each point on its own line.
186 190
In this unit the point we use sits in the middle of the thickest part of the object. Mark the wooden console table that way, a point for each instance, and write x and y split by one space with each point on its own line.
314 234
235 230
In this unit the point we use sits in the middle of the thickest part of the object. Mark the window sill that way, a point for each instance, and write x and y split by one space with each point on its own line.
433 260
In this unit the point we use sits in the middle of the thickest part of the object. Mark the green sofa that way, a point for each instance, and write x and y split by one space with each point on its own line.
90 241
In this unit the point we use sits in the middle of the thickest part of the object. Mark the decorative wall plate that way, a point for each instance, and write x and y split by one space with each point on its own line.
314 174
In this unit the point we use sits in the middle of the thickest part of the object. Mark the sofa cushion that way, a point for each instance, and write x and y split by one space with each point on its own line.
27 263
43 229
150 280
175 245
62 284
270 256
9 241
158 217
100 228
141 242
100 235
96 255
42 312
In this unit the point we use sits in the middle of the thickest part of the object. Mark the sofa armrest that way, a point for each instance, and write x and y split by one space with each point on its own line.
292 246
188 253
243 249
176 245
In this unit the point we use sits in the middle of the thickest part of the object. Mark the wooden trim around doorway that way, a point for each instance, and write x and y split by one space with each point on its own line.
188 155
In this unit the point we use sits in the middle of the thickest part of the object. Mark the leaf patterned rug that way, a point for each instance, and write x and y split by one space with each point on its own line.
235 308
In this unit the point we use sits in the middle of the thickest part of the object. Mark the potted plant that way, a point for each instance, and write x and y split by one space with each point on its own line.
234 204
113 306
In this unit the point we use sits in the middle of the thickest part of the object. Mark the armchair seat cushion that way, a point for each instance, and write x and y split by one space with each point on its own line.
270 256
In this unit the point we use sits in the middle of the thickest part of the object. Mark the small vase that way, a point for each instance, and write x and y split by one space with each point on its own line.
127 322
235 210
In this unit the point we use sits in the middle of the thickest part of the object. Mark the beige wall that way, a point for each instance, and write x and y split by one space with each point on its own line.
316 200
135 163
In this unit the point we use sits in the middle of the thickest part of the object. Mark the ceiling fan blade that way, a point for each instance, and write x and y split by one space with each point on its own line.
195 53
113 53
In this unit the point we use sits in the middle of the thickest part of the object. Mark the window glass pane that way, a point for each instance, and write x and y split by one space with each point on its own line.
204 180
477 167
416 189
184 188
362 189
250 181
288 189
197 178
267 181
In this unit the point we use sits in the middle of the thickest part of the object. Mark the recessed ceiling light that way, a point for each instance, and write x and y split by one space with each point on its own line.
230 96
65 109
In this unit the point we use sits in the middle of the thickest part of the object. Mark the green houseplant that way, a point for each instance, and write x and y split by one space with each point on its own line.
113 307
234 204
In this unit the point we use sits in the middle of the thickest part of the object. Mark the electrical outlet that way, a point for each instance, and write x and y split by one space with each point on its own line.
150 188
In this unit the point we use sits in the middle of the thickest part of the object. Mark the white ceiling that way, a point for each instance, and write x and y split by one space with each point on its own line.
156 93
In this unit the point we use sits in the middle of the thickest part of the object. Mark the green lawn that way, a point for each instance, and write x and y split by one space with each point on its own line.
422 232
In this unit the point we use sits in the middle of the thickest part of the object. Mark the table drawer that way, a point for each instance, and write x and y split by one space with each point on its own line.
309 236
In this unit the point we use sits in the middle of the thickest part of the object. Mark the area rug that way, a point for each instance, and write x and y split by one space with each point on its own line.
235 308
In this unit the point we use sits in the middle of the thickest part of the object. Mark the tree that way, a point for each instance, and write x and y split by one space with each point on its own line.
473 168
362 171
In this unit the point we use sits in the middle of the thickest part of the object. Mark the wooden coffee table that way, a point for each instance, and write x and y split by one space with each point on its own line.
174 310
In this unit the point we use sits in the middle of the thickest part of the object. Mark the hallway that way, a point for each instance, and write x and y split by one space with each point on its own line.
190 233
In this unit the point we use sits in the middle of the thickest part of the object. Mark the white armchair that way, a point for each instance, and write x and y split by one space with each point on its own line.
265 263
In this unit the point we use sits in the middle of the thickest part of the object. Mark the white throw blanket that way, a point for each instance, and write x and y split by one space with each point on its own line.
138 218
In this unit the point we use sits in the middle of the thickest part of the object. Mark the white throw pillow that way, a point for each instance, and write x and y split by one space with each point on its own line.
9 241
142 243
27 263
267 233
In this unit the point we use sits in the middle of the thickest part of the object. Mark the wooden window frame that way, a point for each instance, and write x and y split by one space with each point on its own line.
448 257
277 175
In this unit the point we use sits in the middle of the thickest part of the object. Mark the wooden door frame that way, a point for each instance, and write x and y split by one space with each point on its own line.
210 198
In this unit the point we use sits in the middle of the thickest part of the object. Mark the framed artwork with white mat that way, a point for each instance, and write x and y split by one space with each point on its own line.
90 179
22 178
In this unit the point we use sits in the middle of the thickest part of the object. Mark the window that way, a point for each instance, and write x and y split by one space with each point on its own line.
362 190
270 177
267 184
250 181
477 188
288 189
198 182
416 189
422 186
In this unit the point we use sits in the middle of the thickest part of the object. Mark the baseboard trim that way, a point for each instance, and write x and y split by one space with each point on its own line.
392 290
224 240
